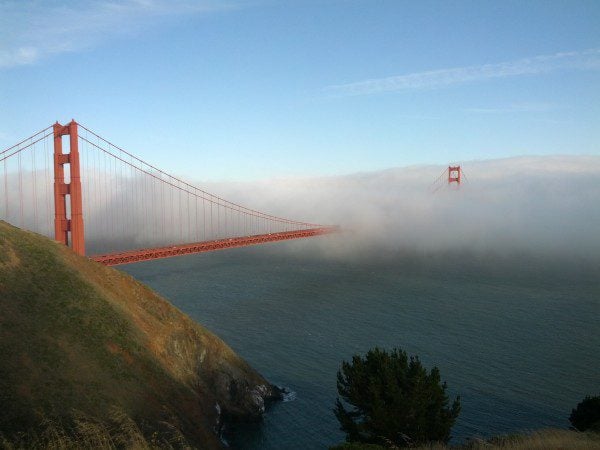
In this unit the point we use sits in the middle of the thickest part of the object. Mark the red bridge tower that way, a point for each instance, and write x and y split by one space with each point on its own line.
64 225
454 175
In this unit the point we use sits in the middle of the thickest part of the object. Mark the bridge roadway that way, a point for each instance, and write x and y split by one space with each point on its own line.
147 254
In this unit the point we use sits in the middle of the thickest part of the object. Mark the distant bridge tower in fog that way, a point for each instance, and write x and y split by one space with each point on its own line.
454 175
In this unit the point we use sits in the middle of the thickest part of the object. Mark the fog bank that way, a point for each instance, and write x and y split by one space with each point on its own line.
547 205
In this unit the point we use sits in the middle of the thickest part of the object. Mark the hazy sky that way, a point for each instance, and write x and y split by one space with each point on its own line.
242 90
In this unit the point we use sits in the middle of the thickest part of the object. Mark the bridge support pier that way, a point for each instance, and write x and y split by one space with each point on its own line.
63 225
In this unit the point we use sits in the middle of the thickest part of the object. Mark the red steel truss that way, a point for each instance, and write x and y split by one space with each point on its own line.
114 259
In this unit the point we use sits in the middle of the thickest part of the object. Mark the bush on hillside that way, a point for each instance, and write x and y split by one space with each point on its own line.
393 401
587 414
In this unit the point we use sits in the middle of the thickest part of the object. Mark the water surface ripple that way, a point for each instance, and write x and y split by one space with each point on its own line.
518 342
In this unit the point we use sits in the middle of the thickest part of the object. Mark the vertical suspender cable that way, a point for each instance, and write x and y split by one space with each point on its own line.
172 210
146 206
203 219
180 218
47 187
97 194
123 197
20 192
34 190
6 189
162 209
196 202
133 208
154 210
114 211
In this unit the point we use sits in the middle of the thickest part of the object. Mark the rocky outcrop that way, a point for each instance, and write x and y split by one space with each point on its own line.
241 400
207 364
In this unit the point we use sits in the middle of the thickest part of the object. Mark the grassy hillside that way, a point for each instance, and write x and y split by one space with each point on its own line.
538 440
81 343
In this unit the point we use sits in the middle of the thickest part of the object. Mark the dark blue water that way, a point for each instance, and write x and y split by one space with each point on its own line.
516 337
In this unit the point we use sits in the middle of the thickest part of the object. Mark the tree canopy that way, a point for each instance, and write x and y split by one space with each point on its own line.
587 414
391 399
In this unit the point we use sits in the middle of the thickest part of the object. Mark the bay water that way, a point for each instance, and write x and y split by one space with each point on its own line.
516 336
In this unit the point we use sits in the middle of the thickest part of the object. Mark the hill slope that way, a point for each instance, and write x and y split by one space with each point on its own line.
78 339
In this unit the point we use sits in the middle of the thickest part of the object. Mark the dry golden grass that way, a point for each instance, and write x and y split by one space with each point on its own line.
8 256
551 439
119 432
544 440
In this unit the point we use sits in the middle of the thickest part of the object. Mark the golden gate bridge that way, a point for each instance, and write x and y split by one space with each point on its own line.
132 210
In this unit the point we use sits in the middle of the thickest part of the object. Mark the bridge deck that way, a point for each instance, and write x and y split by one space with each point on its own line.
132 256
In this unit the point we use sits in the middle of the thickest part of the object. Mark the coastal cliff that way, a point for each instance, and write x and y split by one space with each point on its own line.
83 345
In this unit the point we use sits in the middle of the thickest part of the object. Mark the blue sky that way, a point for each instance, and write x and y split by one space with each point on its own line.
243 90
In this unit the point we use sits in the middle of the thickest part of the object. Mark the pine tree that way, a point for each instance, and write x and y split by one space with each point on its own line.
587 414
393 400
